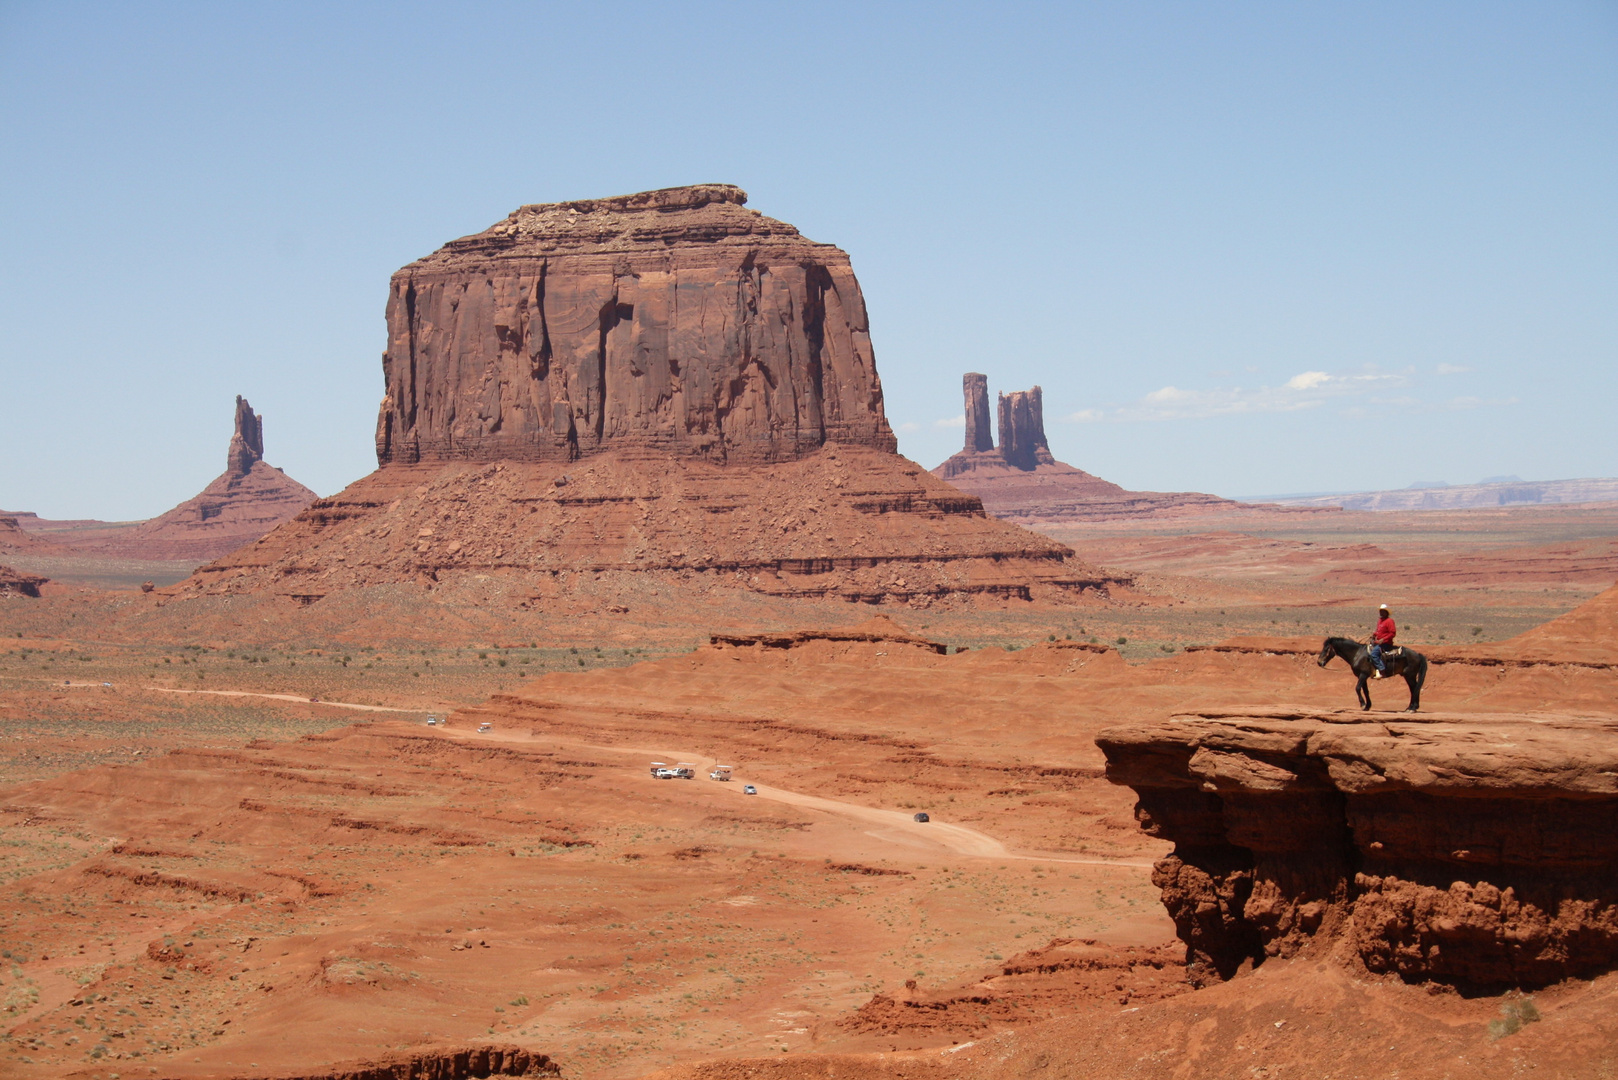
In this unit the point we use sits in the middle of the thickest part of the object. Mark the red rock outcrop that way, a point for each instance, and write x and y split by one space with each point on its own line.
1022 430
677 320
979 435
247 500
1477 850
18 583
1020 481
14 539
846 523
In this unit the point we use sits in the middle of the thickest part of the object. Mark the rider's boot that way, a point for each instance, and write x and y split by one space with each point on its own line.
1376 674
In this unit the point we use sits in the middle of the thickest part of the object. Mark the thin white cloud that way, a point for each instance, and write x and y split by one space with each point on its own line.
1305 390
1453 369
951 421
1458 404
909 426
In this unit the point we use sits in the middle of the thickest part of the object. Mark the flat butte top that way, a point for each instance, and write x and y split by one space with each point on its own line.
709 215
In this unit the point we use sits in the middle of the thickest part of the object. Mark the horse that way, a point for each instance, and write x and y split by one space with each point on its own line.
1407 662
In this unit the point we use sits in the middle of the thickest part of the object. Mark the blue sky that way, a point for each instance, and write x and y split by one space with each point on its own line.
1244 247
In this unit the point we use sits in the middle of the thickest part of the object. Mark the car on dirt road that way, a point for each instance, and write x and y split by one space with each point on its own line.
922 817
749 789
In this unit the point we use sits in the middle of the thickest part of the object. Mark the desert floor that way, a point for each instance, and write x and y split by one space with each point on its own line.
204 872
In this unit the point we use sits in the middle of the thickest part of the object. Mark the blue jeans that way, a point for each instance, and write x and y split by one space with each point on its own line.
1376 658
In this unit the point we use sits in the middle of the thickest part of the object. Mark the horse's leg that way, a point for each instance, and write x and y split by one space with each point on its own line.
1363 692
1415 692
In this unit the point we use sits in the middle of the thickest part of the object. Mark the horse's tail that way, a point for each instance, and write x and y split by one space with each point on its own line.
1421 673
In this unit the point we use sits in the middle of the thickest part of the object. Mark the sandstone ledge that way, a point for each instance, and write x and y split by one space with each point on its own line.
1480 851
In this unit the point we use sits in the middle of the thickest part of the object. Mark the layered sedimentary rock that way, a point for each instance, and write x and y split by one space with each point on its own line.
1470 496
640 389
1478 850
15 582
247 500
1019 480
846 523
677 320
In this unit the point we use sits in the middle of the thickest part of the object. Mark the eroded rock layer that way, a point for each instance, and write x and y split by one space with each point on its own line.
15 582
1475 850
847 523
674 319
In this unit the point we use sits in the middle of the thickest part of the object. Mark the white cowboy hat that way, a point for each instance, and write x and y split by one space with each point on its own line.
1382 607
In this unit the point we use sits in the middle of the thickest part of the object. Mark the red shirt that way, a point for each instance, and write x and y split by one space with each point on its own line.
1383 634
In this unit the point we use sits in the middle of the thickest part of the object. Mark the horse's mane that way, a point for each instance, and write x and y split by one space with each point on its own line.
1342 640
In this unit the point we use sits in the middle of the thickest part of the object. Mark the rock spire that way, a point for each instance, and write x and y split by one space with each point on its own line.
1019 479
1022 429
978 436
247 445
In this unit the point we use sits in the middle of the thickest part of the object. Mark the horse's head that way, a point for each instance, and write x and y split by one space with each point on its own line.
1327 650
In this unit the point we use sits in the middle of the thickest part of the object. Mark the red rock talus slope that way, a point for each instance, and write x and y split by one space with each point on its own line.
674 319
846 522
1469 849
1020 481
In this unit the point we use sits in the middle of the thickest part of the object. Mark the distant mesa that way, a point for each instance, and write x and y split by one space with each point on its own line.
1492 492
601 405
1019 480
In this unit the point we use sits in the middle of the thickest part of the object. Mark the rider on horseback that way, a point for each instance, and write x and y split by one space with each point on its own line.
1382 639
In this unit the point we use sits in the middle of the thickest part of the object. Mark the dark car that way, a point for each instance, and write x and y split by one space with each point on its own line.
923 816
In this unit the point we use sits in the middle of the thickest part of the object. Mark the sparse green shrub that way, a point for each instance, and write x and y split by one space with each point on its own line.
1123 641
1514 1013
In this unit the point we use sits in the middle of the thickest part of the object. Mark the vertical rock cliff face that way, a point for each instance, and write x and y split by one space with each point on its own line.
979 439
1022 429
1475 850
247 444
676 320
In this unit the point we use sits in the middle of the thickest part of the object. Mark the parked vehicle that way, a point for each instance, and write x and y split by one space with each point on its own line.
923 816
720 772
664 772
485 726
685 771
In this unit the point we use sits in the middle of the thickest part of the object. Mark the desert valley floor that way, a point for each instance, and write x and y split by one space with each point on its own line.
248 854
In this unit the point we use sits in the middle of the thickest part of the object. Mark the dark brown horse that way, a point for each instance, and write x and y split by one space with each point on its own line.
1407 662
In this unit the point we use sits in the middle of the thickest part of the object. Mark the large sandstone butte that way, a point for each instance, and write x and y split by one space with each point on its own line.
247 500
1476 850
641 397
1019 480
676 320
